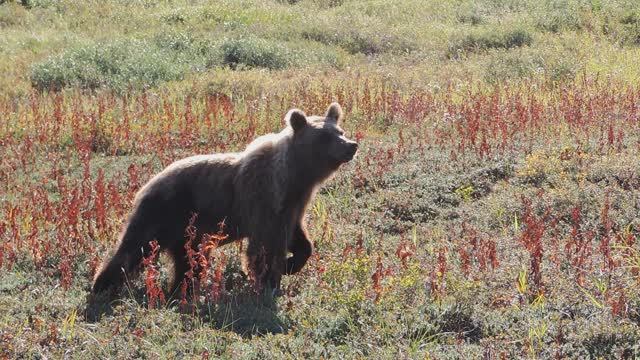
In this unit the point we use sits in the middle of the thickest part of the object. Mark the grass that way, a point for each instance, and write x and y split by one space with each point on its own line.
118 66
489 40
52 44
491 212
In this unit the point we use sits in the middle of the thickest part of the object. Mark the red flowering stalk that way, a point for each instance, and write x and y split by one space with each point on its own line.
154 291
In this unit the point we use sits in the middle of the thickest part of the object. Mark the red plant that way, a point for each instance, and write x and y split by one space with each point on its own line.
155 294
605 233
58 213
184 304
134 181
465 260
531 239
3 229
482 250
100 200
489 254
437 279
257 269
619 304
192 257
377 279
217 281
210 243
578 248
404 251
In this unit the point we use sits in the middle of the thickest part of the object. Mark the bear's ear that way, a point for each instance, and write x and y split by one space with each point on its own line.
296 118
334 113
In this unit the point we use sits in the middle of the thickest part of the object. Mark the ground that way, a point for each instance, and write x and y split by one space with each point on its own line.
493 209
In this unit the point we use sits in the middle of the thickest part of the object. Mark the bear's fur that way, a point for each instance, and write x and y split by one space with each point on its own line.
260 194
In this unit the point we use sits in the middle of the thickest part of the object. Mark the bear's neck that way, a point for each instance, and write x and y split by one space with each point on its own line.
302 177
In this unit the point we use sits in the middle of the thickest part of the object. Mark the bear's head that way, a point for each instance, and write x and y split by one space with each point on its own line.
319 141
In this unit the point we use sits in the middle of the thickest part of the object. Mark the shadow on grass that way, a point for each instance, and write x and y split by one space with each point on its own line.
242 310
247 314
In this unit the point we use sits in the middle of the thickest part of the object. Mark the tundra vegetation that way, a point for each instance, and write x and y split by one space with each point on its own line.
493 209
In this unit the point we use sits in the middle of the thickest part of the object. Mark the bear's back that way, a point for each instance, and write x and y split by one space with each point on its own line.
197 174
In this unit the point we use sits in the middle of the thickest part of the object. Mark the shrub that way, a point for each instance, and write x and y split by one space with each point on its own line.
13 15
137 64
197 51
254 52
503 67
453 319
174 17
118 65
554 64
601 345
472 18
37 3
489 40
628 31
631 35
470 14
176 41
559 17
369 39
630 18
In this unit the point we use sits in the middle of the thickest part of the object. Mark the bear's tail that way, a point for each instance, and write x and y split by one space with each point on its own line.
133 245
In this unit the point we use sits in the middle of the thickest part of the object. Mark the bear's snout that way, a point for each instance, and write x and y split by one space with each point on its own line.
352 149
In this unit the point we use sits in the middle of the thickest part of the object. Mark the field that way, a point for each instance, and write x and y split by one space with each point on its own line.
493 210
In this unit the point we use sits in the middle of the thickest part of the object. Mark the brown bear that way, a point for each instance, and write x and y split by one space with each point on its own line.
260 194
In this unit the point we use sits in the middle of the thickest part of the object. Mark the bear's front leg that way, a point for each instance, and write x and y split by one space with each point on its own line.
266 257
273 277
301 248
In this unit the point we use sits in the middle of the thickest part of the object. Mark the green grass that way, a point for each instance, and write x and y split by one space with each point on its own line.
489 40
118 66
94 68
53 44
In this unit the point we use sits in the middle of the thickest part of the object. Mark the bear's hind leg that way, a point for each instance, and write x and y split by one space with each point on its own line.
183 271
180 268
